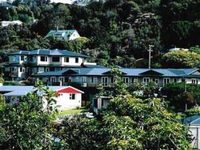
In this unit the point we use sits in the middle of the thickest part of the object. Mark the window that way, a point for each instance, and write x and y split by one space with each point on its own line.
53 79
146 80
72 96
175 80
22 58
104 81
61 79
126 80
43 58
93 79
66 59
76 60
47 69
156 81
194 81
84 79
166 81
20 69
55 59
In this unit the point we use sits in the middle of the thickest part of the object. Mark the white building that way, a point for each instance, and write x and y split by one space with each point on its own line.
66 35
100 102
63 1
193 122
94 76
7 23
68 96
76 2
25 63
8 1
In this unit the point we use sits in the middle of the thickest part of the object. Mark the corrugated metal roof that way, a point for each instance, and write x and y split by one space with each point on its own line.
48 52
23 90
60 32
127 71
192 120
21 52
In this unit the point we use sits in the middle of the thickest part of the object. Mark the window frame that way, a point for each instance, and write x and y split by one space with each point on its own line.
55 57
76 60
66 59
72 96
43 58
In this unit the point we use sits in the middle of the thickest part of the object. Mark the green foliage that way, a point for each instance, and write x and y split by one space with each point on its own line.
128 123
179 58
195 49
2 102
26 124
115 28
179 95
1 78
80 133
193 111
180 25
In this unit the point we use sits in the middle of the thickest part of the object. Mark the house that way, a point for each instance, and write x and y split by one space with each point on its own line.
68 96
93 77
193 122
7 23
76 2
25 63
178 49
100 102
63 1
6 1
66 35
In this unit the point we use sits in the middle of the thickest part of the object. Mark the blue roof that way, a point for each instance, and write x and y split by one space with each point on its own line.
22 52
23 90
78 71
192 120
48 52
127 71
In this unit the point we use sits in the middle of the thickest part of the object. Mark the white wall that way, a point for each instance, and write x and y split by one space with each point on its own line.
195 132
74 36
189 81
72 61
62 62
42 62
63 101
63 1
21 74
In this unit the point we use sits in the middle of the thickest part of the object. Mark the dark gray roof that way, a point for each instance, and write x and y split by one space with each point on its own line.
126 71
48 52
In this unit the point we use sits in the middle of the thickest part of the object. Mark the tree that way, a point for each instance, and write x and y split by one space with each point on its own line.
127 123
180 21
195 49
180 59
26 125
179 95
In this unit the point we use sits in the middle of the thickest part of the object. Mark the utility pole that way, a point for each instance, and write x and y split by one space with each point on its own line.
150 50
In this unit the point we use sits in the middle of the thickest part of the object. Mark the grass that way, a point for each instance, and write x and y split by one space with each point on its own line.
71 112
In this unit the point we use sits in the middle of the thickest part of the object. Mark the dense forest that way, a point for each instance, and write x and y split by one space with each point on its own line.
117 31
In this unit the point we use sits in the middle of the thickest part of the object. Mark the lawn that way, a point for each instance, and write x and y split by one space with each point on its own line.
71 112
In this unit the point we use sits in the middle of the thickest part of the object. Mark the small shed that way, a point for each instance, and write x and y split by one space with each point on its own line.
100 102
68 97
193 122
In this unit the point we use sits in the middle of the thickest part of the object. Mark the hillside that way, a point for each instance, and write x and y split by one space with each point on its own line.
119 31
